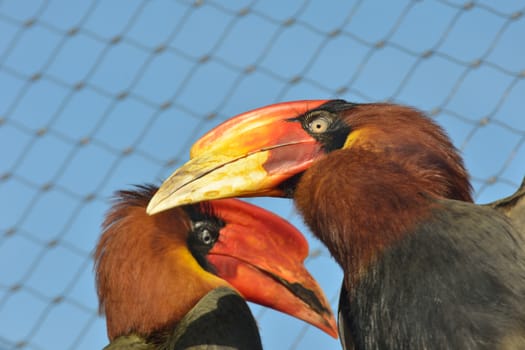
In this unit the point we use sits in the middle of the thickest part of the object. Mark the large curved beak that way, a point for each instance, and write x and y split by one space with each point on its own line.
248 155
262 256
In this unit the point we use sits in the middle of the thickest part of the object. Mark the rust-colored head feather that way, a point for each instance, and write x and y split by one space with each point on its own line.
406 137
147 279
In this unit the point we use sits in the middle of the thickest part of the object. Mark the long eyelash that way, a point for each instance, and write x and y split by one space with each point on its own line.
209 214
203 212
207 211
336 106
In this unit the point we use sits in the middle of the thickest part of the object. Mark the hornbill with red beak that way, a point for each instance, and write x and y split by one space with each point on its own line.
386 191
178 280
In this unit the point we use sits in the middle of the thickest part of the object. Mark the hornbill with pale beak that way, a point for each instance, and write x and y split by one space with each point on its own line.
179 280
386 191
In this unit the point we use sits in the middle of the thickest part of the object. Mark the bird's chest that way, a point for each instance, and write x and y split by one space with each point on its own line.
425 294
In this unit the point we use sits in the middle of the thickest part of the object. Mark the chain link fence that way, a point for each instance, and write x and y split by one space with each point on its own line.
96 96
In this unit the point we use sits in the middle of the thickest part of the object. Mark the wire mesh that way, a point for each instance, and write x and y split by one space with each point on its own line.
99 95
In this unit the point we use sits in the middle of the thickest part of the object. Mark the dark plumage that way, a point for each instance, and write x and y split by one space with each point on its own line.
442 287
513 207
220 320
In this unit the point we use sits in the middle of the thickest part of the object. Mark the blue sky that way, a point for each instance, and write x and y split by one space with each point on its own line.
97 96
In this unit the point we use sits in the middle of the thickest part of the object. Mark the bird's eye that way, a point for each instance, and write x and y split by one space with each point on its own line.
206 237
204 234
319 125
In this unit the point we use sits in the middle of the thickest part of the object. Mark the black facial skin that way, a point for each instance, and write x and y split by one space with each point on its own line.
332 138
205 230
337 130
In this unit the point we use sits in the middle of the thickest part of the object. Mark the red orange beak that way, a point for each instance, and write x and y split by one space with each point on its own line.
248 155
262 256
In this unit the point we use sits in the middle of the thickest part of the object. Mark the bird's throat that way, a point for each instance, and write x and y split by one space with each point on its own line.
359 208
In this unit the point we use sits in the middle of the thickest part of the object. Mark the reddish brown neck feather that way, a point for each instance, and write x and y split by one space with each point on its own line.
363 199
142 286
